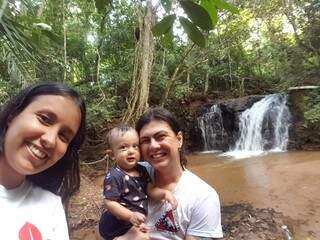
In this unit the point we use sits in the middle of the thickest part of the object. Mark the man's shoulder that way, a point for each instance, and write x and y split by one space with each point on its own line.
197 186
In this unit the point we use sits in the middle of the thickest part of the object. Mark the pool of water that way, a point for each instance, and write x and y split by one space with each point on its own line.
289 182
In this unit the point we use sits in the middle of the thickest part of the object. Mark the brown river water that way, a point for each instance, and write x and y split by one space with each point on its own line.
288 182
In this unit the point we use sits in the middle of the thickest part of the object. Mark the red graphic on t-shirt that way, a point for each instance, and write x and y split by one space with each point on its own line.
167 223
29 232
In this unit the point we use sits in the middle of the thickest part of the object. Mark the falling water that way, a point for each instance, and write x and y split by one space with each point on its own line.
265 125
211 127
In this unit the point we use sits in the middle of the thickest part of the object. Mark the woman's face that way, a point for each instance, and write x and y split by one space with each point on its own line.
160 144
39 136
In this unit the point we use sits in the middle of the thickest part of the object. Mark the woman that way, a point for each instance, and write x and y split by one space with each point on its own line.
198 212
41 131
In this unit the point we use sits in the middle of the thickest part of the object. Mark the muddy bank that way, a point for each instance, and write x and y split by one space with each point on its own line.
243 221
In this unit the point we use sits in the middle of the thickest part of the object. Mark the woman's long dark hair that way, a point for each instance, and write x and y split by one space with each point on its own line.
162 114
63 178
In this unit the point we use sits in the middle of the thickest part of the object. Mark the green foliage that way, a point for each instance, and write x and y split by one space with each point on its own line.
164 25
182 92
223 5
3 92
312 113
251 52
203 15
193 32
198 15
167 39
167 4
101 5
211 9
100 104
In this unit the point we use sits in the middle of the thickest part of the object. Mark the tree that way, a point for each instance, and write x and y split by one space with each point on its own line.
139 92
202 16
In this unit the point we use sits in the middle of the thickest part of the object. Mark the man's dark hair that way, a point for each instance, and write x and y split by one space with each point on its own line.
162 114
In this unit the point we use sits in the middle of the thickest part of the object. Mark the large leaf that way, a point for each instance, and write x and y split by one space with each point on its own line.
223 5
167 39
14 34
197 14
53 37
193 32
167 4
164 25
211 9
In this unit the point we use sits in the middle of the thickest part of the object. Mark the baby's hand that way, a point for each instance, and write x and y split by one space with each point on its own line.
137 218
171 199
144 228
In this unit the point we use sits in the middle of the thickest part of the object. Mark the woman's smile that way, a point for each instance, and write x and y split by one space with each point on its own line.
36 151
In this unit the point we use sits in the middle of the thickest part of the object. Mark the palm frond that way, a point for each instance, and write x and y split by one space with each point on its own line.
17 45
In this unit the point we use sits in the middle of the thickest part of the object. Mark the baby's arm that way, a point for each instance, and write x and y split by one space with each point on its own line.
125 214
160 194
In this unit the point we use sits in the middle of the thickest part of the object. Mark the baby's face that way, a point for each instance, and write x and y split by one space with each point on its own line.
125 148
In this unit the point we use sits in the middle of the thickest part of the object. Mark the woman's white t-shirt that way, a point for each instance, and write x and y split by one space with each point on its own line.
30 212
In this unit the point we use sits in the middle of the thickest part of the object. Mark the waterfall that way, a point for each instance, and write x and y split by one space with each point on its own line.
265 125
211 127
262 127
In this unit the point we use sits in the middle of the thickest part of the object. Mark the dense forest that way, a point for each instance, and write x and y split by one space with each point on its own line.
124 56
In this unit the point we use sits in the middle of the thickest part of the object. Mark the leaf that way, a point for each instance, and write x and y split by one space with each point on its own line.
223 5
193 32
197 14
167 4
164 25
52 36
167 39
211 9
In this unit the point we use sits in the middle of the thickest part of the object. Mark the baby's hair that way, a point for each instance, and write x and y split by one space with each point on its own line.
118 131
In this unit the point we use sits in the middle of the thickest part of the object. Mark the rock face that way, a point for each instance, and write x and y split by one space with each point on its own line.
220 123
302 137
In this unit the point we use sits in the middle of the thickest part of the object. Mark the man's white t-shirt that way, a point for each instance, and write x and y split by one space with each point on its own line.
197 213
30 212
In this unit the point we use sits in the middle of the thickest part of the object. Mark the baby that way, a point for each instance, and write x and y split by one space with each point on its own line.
127 186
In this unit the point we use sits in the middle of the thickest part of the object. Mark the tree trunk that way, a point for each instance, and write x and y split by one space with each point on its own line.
101 36
41 8
64 42
188 79
139 92
173 78
206 84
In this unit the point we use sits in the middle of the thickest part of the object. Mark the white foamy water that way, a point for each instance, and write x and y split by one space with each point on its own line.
263 127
